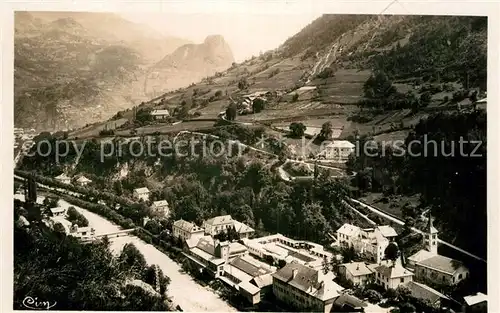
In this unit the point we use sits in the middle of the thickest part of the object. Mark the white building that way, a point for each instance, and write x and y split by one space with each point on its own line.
58 211
391 276
218 224
82 232
337 150
359 273
305 288
222 223
283 248
63 178
369 243
186 230
141 193
160 208
429 266
160 114
83 181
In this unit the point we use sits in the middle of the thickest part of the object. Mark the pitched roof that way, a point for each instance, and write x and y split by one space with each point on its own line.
62 176
441 263
23 221
393 271
160 112
421 255
141 190
160 203
235 247
387 231
340 144
421 291
242 228
357 268
57 210
206 245
475 299
83 179
186 226
349 230
223 219
264 280
249 268
249 287
306 279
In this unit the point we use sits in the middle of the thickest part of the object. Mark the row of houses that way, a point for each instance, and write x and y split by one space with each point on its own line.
159 208
186 230
240 264
65 179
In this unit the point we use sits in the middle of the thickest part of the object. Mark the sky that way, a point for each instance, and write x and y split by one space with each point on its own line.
246 34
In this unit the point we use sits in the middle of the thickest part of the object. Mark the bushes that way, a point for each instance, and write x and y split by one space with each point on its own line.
373 296
76 218
297 130
326 73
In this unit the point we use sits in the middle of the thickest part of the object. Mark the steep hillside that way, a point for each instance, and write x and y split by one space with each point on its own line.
325 73
74 68
190 63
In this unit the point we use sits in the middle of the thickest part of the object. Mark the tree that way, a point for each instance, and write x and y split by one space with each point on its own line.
258 105
425 98
295 97
231 112
153 226
407 308
325 266
373 296
391 252
218 93
81 276
326 131
132 258
297 130
281 263
31 189
59 228
378 86
243 84
76 218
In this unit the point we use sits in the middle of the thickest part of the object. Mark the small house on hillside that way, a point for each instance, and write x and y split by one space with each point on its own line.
160 208
160 114
58 211
141 193
186 230
63 178
337 150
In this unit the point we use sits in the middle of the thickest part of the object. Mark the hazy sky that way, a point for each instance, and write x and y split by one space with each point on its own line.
247 34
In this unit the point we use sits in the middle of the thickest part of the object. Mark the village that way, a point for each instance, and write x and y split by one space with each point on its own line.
301 274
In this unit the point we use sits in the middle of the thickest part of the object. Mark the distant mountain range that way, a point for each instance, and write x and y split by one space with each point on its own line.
74 68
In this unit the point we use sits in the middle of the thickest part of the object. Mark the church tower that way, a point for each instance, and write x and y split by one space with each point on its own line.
432 237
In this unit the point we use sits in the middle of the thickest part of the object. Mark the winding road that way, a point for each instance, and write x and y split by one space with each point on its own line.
183 290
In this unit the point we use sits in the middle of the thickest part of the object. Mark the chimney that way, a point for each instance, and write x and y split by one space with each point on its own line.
357 267
322 284
295 272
